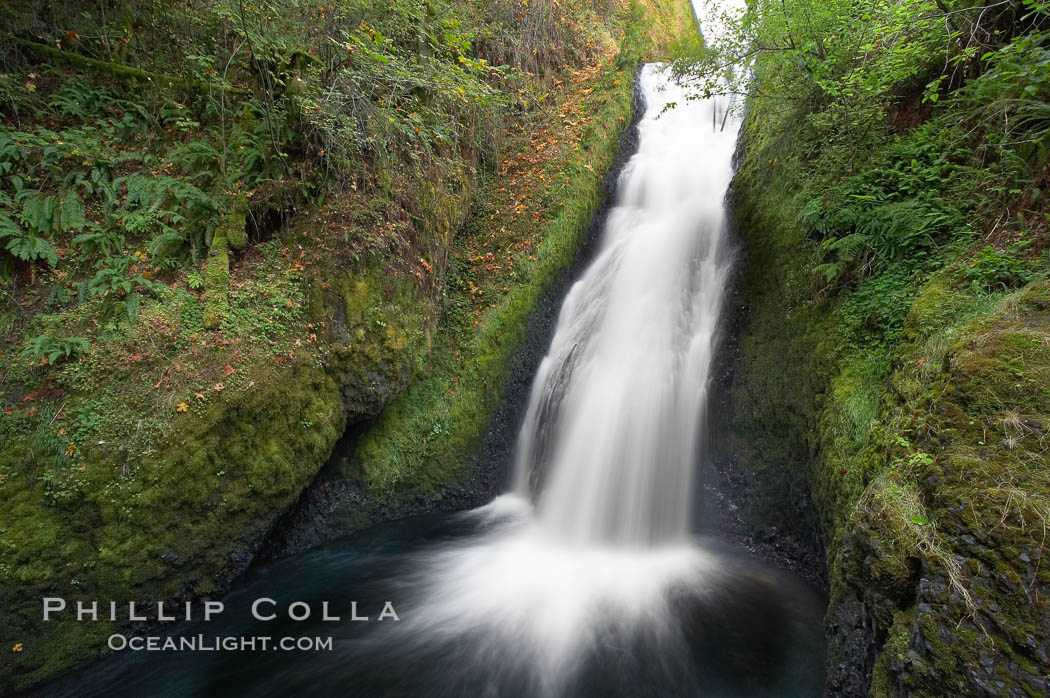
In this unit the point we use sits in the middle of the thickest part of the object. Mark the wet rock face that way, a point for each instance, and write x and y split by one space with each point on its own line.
929 642
851 648
368 385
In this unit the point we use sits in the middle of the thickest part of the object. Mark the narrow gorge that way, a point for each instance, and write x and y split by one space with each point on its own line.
577 348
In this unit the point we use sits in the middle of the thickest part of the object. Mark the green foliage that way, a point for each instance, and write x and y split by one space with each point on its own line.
23 244
997 269
54 348
169 128
119 287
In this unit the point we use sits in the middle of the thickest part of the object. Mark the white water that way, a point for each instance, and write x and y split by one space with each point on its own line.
592 546
616 410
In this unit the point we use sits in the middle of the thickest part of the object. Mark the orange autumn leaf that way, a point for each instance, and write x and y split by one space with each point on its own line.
229 369
182 407
219 386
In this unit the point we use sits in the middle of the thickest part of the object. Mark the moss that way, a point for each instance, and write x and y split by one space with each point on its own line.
195 468
176 523
418 443
235 223
894 651
217 280
769 422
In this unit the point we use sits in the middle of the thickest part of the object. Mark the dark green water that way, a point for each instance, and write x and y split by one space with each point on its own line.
741 629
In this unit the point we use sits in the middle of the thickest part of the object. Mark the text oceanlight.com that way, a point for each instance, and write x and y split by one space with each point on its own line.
204 643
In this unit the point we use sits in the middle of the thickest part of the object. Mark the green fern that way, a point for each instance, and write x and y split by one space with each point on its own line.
25 245
99 241
53 348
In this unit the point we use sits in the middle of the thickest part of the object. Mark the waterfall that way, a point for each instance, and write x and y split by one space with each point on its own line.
590 555
612 429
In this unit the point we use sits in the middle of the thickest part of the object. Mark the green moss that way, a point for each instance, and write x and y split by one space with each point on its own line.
173 524
419 441
217 281
235 223
173 482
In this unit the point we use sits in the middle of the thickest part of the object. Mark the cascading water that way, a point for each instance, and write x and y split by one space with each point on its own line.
615 414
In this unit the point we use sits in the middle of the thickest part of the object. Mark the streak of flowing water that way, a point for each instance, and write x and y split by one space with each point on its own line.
614 418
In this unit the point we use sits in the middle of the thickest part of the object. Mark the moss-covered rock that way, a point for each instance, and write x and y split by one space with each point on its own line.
185 521
235 223
924 456
217 280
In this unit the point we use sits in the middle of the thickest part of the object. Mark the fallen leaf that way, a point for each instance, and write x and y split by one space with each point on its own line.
229 369
182 407
219 386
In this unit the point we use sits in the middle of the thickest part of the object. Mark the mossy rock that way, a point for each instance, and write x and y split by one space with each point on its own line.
235 223
217 281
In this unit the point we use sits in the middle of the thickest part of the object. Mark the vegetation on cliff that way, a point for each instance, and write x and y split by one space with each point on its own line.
231 229
891 194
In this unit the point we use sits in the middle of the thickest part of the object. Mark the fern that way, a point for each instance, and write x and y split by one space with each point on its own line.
11 154
24 245
830 270
99 241
849 248
166 247
38 210
54 349
69 212
195 155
